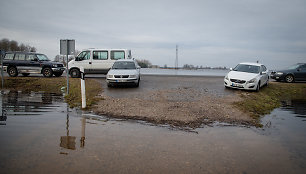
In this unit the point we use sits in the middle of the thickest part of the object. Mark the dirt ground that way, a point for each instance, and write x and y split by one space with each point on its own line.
175 100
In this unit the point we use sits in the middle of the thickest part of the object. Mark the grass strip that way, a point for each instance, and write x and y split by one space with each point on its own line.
268 98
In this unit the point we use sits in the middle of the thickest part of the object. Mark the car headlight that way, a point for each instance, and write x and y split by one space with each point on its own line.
54 65
252 80
110 76
279 73
226 77
132 76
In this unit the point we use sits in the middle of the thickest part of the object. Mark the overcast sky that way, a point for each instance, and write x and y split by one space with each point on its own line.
208 32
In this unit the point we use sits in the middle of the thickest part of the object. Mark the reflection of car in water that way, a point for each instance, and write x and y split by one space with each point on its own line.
296 106
26 102
293 73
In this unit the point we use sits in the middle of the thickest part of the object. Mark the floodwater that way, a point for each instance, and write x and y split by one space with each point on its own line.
39 134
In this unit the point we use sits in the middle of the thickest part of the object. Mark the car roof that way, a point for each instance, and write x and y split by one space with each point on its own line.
251 63
21 52
108 49
125 60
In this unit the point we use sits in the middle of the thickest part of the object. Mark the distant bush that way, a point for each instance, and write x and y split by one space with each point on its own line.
144 63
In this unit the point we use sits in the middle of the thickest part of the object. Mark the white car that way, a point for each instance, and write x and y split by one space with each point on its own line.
124 72
96 61
249 76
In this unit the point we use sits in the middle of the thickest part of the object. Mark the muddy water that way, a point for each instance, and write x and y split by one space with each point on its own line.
38 135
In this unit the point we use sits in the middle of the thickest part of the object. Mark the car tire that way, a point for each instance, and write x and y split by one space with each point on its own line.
58 74
289 78
109 85
258 86
47 72
25 74
75 73
12 72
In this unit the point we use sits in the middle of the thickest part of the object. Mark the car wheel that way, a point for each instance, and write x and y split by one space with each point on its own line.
47 72
12 72
58 74
109 85
289 79
258 86
26 74
75 73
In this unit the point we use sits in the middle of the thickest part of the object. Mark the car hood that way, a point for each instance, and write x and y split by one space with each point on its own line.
122 72
50 63
241 75
286 70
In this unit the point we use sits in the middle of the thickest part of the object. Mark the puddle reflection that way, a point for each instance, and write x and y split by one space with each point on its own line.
67 141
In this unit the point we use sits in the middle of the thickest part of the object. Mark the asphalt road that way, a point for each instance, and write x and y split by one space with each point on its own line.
203 84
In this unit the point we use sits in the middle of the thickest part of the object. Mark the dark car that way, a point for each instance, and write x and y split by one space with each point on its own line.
27 63
294 73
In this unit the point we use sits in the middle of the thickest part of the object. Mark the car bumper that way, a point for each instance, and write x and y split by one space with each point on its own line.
121 81
246 85
4 68
59 69
277 77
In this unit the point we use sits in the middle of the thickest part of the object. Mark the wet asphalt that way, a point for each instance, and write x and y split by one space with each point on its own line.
212 85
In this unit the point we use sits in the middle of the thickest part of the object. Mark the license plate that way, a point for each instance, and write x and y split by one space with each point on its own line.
120 80
236 85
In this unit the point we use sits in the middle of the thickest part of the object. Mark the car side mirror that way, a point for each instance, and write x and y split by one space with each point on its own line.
231 69
35 59
298 69
78 59
138 67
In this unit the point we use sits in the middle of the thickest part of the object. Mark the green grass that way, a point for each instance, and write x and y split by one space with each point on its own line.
54 85
268 98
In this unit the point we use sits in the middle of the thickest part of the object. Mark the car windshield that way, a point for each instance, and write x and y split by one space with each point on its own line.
294 66
42 57
247 68
124 65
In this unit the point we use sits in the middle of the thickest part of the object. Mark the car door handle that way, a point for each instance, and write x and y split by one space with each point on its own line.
89 62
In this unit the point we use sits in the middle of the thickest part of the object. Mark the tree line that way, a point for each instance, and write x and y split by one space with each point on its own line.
12 45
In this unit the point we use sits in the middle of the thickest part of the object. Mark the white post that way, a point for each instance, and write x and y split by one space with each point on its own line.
83 87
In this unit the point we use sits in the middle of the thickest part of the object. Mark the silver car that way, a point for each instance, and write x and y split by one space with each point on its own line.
125 71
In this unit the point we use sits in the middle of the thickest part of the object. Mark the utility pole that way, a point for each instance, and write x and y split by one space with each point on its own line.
176 58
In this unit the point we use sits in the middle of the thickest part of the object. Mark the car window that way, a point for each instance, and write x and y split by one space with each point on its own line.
100 55
116 55
294 67
124 65
19 56
9 56
303 67
263 68
84 55
247 68
30 57
42 57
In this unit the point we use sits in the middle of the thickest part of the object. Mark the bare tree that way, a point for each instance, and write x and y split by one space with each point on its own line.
13 45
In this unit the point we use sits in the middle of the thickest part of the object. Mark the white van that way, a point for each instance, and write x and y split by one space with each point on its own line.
96 61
